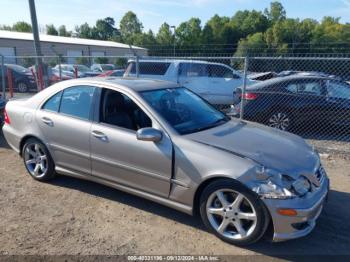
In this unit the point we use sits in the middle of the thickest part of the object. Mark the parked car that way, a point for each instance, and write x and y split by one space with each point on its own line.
297 101
23 79
215 82
100 68
2 108
83 70
55 77
162 142
117 73
305 73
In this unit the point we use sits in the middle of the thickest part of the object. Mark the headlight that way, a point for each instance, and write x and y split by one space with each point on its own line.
271 184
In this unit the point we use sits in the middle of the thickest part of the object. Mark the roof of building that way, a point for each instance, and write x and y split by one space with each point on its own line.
61 39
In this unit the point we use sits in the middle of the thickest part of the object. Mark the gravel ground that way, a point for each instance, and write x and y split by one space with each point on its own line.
70 216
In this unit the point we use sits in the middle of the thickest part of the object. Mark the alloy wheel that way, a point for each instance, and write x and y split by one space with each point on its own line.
280 121
22 87
36 160
231 214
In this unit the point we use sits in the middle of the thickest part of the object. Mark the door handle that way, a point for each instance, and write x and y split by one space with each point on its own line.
47 121
99 135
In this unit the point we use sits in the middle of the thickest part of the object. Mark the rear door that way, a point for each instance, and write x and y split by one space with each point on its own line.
309 102
223 82
194 76
65 120
338 103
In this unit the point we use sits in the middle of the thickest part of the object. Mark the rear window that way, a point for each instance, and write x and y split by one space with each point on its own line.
148 68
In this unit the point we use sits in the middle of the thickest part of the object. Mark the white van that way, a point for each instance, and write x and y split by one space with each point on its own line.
215 82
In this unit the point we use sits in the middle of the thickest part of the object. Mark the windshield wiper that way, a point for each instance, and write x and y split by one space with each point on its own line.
214 124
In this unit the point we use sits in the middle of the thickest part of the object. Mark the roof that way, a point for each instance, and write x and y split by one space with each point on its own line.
162 60
63 40
278 80
136 84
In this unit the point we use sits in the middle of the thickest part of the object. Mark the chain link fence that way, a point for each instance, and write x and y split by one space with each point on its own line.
308 96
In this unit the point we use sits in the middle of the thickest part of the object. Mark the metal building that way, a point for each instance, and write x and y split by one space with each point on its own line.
14 44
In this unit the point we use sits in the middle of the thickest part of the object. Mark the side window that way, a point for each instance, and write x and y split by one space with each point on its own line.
338 90
193 70
119 110
292 87
53 103
76 101
220 71
311 88
148 68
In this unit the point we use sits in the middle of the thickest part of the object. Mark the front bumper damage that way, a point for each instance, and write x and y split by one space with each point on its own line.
308 209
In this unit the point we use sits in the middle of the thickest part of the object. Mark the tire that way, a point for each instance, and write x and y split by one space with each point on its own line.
248 215
280 119
37 160
22 87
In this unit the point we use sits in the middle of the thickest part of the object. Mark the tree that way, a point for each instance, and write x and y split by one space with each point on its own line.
276 12
51 30
129 26
104 29
82 60
189 33
62 31
84 31
101 60
164 35
20 26
252 45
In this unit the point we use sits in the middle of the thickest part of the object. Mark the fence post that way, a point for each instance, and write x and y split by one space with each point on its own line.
137 66
10 81
75 72
246 64
3 82
59 67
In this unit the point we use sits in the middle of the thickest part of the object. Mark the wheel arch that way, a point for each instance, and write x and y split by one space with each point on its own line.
25 139
204 184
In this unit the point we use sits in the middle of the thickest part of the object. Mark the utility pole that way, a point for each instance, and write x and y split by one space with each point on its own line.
174 27
36 37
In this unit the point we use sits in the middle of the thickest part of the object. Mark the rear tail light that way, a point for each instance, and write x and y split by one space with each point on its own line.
6 116
249 96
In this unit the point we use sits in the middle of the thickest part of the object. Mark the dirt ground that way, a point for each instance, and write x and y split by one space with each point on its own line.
70 216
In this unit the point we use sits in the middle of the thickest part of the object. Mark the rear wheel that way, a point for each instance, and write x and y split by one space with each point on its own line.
37 160
22 87
233 213
280 120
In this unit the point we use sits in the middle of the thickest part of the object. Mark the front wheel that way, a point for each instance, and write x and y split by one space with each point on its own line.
233 213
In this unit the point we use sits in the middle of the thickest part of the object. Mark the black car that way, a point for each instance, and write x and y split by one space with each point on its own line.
23 79
2 108
297 101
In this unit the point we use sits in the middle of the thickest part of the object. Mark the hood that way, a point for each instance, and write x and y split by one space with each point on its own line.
272 148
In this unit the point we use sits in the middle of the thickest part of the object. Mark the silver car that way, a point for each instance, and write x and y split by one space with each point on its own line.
164 143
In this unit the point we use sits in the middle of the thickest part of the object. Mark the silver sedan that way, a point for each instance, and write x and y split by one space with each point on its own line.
164 143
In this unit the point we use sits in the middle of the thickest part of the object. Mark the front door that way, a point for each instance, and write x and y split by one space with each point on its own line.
116 153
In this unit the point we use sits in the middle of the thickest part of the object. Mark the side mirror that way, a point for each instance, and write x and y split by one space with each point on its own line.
149 134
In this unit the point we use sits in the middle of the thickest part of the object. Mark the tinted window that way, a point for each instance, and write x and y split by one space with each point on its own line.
193 70
148 68
312 88
338 90
119 110
53 103
76 101
221 72
292 87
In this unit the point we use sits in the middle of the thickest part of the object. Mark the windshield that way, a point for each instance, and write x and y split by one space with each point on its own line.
185 112
107 67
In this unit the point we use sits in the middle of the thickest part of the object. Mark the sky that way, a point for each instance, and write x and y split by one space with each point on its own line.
153 13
